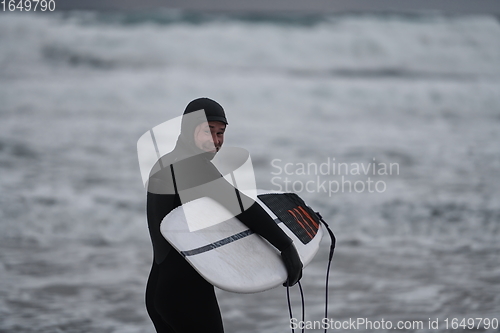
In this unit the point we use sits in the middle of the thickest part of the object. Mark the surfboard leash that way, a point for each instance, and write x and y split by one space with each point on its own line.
330 257
290 304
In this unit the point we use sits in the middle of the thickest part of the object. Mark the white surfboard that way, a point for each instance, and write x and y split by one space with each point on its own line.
233 258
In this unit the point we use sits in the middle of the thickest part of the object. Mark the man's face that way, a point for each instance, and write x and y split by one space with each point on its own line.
209 136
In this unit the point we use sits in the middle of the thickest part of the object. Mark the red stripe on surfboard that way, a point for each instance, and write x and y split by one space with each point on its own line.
309 217
293 214
305 222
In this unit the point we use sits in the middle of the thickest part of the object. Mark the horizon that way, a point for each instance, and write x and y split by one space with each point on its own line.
453 7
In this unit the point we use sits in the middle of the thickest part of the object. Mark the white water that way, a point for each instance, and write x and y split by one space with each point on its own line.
77 91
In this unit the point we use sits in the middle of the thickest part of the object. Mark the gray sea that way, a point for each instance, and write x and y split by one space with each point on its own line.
319 101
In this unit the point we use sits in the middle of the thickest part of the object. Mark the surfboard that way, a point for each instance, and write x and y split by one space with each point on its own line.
229 255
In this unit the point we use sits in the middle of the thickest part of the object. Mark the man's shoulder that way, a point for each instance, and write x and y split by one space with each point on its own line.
160 178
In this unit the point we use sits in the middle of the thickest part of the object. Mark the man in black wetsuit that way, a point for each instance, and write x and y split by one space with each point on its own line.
178 299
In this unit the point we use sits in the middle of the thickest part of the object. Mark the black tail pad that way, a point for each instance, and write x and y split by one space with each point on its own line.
294 213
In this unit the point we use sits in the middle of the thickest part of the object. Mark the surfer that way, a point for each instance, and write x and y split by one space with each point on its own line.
178 299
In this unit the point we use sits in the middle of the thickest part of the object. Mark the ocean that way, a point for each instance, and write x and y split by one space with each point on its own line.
387 124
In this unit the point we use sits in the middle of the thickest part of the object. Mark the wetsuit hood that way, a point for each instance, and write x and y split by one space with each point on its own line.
197 111
213 110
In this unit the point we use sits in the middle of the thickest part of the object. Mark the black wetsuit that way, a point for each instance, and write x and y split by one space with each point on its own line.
178 299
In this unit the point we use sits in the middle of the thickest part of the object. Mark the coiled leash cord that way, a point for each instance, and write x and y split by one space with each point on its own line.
330 257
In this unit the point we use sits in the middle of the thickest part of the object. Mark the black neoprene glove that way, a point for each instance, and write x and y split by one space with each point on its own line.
259 221
293 264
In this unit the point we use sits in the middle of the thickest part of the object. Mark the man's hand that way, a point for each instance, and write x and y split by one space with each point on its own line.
293 264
